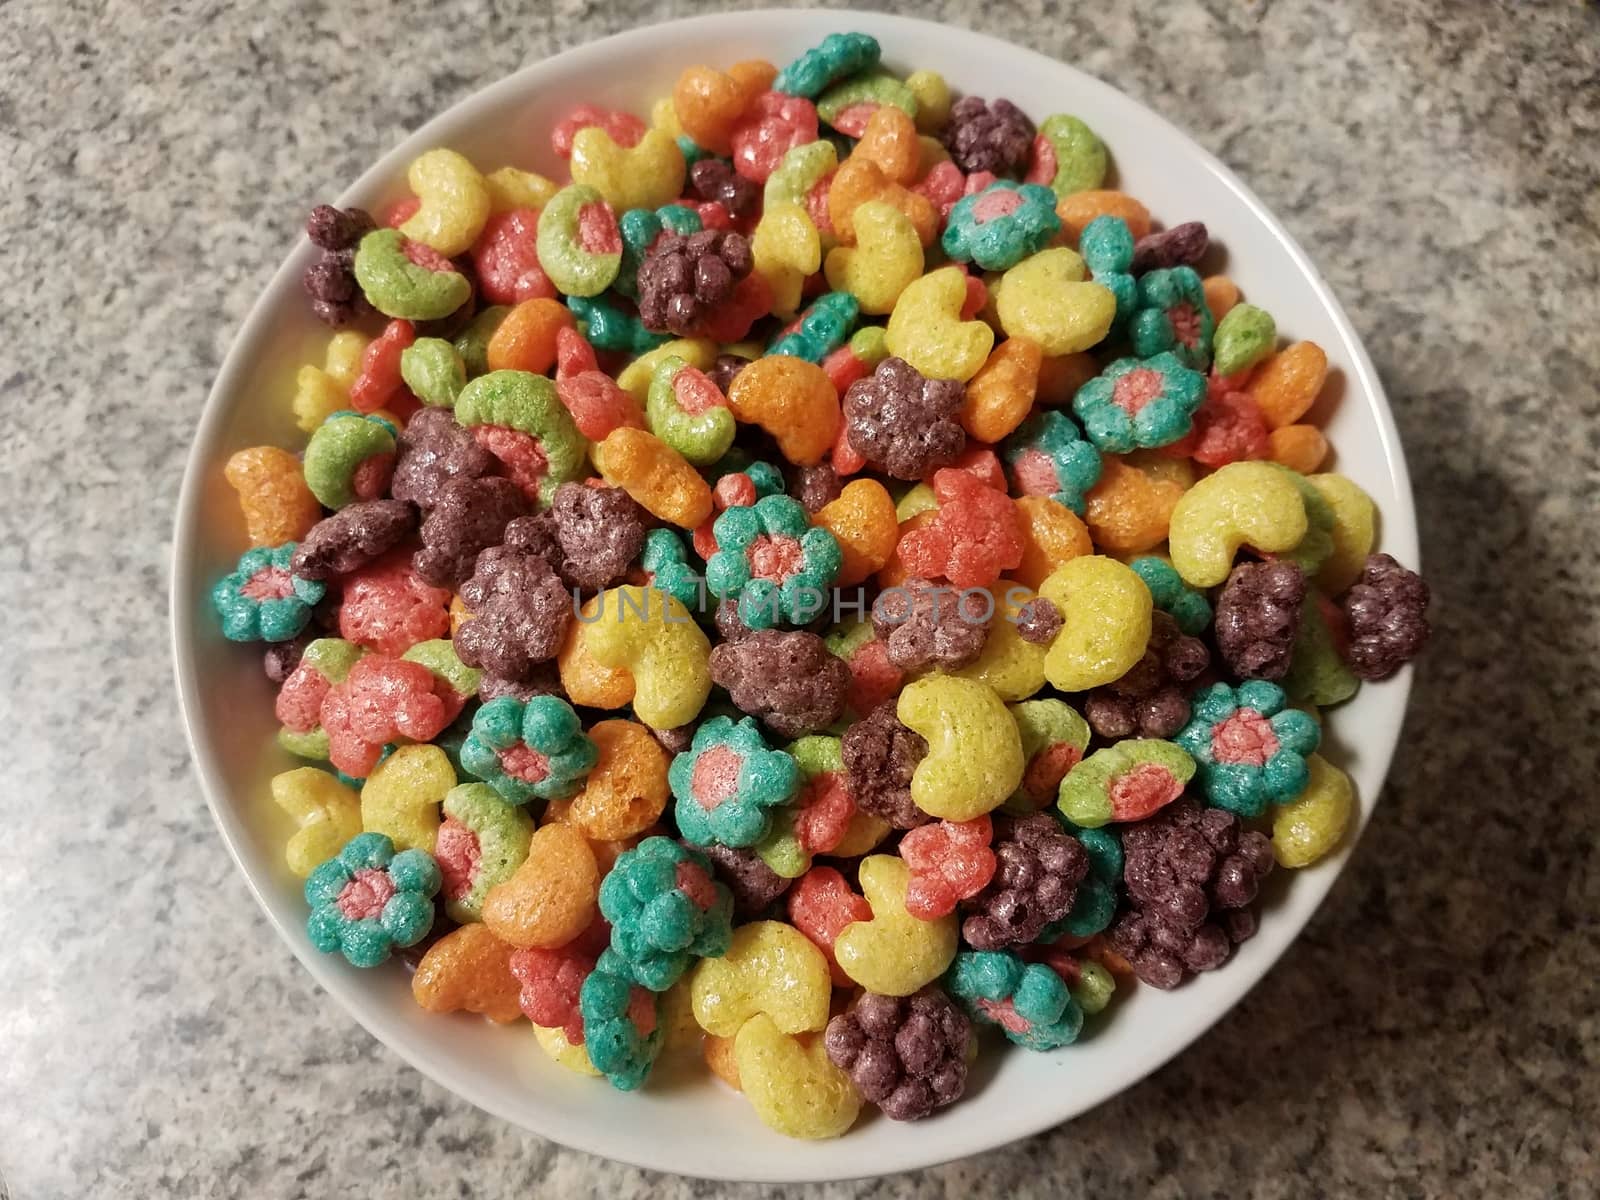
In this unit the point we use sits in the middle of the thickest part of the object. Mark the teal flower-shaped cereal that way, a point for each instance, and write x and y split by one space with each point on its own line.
1001 225
666 560
367 900
1172 315
1029 1001
773 561
1189 608
611 326
837 56
260 600
1106 245
821 329
526 751
666 910
1249 748
1096 900
621 1027
1048 456
1139 403
727 782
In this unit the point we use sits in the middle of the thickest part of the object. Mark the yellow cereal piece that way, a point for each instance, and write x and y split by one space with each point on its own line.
316 397
647 175
1354 531
886 258
1009 665
553 1041
1316 820
455 202
664 116
927 331
676 1018
770 969
786 250
974 758
636 376
933 153
791 1083
511 188
894 953
1106 614
919 498
862 833
1253 504
401 797
341 361
933 100
1045 299
327 812
653 637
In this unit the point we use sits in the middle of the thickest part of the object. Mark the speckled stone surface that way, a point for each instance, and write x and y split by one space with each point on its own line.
1435 1031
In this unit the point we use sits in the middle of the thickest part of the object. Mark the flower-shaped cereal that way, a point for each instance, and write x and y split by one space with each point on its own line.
1106 245
1135 402
261 601
1173 315
367 900
726 782
1048 456
950 861
622 1030
1001 225
1029 1001
1249 749
666 561
1188 607
528 751
772 559
665 908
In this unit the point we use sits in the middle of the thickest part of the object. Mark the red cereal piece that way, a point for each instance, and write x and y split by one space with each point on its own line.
843 368
507 261
971 540
597 403
820 905
817 204
401 211
382 700
977 297
300 698
873 678
950 861
846 459
1043 163
731 320
824 811
388 608
1228 427
625 129
773 125
379 384
551 981
983 465
944 184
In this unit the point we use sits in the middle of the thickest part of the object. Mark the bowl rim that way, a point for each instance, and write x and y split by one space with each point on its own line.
1399 533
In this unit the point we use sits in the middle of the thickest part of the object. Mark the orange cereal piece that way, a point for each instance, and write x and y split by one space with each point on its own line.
754 75
895 572
585 680
1222 294
1129 510
1000 395
1051 535
793 400
860 180
1061 375
1078 209
526 339
862 520
660 478
278 507
626 790
460 614
551 898
468 970
1301 448
719 1057
1286 385
890 141
709 103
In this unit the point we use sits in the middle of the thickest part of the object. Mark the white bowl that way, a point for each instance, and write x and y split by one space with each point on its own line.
687 1123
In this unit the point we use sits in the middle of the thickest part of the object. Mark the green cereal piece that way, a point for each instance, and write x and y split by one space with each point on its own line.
338 447
867 344
398 287
1091 794
608 326
875 87
816 754
332 658
1045 725
801 169
1094 987
1317 544
504 832
433 370
1080 155
528 403
574 270
439 656
312 744
1245 335
472 343
701 436
1317 674
838 55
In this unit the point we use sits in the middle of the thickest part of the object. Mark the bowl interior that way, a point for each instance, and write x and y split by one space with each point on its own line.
686 1122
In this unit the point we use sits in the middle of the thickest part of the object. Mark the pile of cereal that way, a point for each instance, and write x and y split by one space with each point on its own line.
827 579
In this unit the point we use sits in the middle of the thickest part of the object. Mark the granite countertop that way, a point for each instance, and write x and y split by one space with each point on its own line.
1434 1031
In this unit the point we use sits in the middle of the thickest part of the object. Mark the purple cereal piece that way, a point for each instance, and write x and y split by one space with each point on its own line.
994 136
1038 869
880 756
468 517
1258 617
433 449
903 423
906 1054
1387 610
787 679
1181 246
352 537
